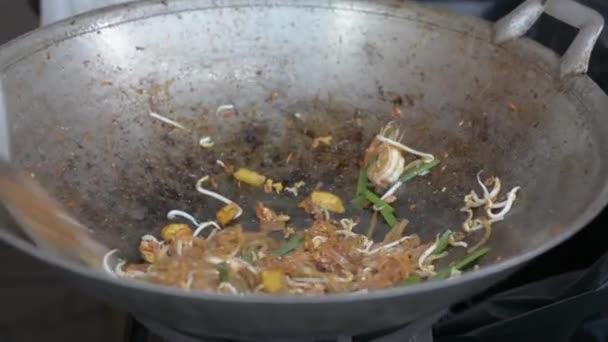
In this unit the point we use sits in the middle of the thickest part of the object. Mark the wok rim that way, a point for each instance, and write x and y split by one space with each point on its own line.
42 38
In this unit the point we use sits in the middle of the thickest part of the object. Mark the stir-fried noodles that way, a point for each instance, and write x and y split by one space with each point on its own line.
327 257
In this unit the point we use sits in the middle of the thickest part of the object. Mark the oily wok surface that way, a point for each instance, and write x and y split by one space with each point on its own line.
93 143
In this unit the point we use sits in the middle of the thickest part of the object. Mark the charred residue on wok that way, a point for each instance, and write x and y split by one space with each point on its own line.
279 148
168 167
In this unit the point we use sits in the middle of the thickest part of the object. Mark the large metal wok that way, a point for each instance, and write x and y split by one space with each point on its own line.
80 93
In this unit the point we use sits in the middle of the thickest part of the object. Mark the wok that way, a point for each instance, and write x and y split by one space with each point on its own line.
475 94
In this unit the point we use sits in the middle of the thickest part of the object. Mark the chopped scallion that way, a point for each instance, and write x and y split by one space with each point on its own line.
444 273
424 167
289 246
466 262
471 258
359 200
362 182
443 242
372 197
223 272
388 216
411 280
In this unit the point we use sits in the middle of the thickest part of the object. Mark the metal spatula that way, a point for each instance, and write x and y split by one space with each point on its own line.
43 219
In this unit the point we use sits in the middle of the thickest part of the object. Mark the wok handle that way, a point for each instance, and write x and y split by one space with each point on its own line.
589 22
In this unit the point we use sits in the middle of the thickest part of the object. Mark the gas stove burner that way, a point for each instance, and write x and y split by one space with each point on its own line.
143 330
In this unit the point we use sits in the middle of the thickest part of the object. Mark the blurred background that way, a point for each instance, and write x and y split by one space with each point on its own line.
38 306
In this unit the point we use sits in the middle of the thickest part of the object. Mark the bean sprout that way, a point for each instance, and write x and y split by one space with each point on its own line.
348 224
326 214
212 234
455 243
66 217
166 120
468 224
434 257
149 238
471 225
199 188
247 265
426 156
413 165
347 233
205 225
427 269
294 189
368 245
309 280
118 268
487 225
206 142
171 215
367 269
220 163
488 195
318 240
214 260
294 283
229 287
459 244
392 244
189 280
224 108
472 200
391 190
106 261
382 248
495 190
505 205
